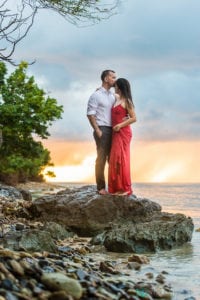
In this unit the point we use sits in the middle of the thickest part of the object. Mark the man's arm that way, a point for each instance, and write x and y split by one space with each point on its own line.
92 120
91 114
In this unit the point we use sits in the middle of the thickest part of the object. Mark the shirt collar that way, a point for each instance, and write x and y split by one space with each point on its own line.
105 90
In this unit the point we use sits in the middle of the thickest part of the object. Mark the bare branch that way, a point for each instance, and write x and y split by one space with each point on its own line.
17 17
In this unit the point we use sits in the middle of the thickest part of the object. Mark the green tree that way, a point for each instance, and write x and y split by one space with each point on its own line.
26 112
17 18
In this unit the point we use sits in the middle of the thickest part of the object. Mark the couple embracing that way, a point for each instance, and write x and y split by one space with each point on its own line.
110 115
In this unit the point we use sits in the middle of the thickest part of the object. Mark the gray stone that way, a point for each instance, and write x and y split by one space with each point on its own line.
30 240
58 281
10 193
37 241
57 231
26 194
41 238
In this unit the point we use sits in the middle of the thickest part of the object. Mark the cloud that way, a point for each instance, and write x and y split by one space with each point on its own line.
155 44
74 124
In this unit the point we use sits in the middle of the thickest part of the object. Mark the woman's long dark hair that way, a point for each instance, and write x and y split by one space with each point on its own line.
125 88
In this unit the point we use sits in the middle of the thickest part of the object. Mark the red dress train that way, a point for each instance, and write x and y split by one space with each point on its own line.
119 177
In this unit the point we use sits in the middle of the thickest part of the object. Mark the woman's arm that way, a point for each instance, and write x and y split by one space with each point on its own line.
131 119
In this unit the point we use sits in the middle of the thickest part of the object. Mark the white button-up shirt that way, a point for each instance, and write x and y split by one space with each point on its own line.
100 104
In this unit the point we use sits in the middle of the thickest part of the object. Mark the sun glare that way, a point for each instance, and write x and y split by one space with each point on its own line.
167 173
165 162
73 173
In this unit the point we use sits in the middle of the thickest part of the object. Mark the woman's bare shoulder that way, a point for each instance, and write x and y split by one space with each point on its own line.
117 96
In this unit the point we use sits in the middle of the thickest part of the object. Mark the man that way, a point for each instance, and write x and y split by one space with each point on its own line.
99 115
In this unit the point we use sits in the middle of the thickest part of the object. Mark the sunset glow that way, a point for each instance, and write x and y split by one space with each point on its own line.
73 173
150 161
167 173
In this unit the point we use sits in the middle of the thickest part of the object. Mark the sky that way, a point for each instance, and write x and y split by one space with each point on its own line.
156 46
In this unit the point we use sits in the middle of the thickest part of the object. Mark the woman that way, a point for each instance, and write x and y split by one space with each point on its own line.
123 114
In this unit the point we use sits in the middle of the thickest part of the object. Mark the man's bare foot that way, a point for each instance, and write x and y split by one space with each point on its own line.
102 192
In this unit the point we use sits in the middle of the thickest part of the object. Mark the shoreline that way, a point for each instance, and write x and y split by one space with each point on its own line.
30 185
94 272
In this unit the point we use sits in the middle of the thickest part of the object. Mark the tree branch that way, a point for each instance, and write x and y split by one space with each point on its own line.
16 19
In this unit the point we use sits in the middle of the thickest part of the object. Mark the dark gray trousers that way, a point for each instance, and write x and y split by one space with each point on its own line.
103 146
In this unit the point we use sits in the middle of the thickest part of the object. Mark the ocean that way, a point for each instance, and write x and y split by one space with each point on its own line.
182 264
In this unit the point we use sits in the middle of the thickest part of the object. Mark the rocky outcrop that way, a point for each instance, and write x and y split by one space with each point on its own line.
125 224
88 213
164 232
16 233
37 237
121 224
10 193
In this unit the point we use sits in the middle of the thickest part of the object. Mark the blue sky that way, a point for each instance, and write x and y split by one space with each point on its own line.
154 44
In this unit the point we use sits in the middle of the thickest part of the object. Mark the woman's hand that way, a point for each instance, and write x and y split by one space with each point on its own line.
117 128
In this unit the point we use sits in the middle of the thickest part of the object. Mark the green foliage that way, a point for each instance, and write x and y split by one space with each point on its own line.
81 11
25 112
50 174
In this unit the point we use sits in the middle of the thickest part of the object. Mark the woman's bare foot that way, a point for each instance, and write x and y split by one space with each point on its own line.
121 193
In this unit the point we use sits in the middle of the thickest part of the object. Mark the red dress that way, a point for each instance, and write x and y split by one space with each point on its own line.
119 179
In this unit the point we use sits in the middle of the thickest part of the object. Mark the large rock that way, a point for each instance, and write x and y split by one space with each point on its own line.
125 224
10 193
164 232
40 238
88 213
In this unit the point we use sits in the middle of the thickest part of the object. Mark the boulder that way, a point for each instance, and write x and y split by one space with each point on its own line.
120 223
88 213
10 193
40 238
164 232
30 240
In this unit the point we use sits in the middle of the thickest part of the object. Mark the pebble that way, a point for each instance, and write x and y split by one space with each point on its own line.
141 259
59 282
70 275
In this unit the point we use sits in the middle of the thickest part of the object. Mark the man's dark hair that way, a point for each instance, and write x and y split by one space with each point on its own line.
105 73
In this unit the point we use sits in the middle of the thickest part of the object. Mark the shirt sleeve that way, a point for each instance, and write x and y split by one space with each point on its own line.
92 105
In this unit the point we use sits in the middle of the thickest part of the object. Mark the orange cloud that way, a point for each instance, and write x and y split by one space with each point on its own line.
69 153
166 161
150 161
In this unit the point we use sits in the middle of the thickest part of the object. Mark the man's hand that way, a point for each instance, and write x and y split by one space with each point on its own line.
98 132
